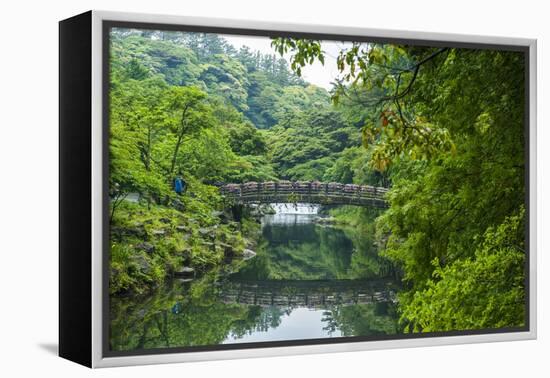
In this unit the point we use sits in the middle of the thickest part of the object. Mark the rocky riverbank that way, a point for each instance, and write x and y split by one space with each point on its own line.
150 245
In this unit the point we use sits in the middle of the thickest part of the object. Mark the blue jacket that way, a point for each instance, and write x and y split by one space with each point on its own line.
179 185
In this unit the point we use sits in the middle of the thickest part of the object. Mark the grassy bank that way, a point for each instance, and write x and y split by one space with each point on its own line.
149 244
355 216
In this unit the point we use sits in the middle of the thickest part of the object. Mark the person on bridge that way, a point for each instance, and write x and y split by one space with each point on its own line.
179 185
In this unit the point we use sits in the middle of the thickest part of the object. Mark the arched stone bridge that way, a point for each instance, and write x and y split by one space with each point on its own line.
312 294
331 193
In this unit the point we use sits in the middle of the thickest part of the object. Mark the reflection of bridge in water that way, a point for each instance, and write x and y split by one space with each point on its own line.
311 294
332 193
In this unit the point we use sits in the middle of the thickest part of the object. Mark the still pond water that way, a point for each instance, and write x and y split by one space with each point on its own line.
308 281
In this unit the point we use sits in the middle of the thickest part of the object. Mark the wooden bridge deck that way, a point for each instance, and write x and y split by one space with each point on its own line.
305 192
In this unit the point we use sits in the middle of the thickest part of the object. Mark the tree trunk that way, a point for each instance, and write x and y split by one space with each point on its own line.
178 143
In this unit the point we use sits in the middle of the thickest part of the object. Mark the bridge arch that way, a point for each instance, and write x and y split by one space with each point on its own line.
315 192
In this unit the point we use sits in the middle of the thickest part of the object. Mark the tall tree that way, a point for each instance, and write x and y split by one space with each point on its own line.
187 114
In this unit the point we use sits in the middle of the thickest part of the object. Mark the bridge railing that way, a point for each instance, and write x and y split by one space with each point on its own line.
304 191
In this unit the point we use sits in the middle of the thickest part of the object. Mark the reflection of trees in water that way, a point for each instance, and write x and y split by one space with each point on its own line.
312 252
331 323
365 261
180 315
176 315
185 314
305 251
265 318
195 314
364 320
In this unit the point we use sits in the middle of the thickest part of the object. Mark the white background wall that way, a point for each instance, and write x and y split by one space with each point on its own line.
28 185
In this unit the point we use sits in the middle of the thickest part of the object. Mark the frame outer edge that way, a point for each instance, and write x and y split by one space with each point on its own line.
533 189
310 28
97 196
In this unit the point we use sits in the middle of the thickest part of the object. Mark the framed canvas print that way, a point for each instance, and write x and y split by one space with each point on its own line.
234 189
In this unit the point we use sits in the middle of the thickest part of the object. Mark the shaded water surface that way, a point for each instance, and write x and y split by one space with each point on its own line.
307 281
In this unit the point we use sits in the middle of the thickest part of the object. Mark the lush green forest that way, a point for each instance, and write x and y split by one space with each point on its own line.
443 128
190 104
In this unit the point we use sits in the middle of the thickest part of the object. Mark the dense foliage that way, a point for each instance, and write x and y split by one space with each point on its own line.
447 125
442 127
495 272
